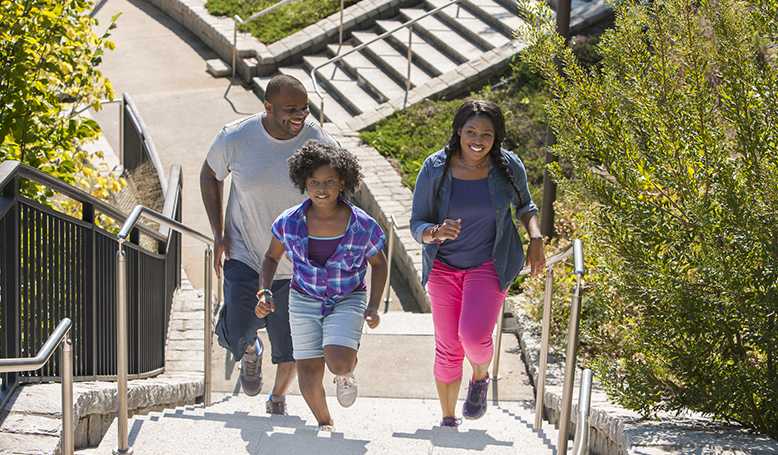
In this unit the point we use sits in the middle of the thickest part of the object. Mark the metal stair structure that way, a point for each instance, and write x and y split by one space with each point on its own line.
362 81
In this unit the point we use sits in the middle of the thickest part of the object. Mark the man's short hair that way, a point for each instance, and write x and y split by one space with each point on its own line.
280 82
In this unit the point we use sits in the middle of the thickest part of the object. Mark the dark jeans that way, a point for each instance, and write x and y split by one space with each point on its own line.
237 325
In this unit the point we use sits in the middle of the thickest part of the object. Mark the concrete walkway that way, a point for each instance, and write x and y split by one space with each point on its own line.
397 411
162 66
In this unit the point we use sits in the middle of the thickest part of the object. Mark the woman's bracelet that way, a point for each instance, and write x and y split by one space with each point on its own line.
265 291
434 233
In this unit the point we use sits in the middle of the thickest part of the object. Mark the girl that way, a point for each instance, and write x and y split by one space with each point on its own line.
330 242
472 252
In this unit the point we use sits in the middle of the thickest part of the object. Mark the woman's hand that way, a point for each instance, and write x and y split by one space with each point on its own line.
264 306
536 256
372 318
449 230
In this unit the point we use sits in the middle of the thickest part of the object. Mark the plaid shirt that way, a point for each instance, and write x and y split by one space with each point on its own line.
345 270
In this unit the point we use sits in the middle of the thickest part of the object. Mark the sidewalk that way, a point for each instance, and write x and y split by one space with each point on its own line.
162 66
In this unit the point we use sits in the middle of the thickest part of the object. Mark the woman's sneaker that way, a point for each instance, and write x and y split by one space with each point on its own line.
251 369
276 407
346 390
451 422
475 405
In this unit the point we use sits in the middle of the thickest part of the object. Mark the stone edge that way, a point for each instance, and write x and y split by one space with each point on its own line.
255 57
615 430
95 403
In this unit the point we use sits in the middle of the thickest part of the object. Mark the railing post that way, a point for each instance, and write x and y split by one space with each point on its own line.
121 351
572 347
207 308
122 104
408 70
390 252
581 442
540 385
66 375
340 29
90 307
13 263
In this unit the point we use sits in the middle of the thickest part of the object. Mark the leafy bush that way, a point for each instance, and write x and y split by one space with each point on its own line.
50 54
282 22
674 144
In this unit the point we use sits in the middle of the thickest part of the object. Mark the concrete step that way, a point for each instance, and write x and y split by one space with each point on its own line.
445 38
502 16
510 5
333 111
366 72
467 24
424 53
340 85
390 59
373 426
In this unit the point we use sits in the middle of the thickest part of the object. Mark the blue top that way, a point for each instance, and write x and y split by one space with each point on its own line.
321 248
470 202
430 209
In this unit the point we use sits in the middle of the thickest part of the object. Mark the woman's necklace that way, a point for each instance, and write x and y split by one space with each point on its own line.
474 167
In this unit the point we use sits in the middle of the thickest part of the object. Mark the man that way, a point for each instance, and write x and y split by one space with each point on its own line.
255 151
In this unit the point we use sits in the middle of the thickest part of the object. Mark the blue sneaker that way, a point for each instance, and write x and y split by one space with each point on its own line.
475 405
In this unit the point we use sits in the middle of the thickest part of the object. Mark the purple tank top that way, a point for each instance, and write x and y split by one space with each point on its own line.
470 201
321 248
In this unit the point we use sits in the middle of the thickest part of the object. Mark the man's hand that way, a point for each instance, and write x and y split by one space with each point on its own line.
264 306
221 251
372 318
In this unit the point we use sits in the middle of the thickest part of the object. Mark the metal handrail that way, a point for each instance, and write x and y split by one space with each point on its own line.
581 441
237 20
60 336
550 262
121 312
340 57
390 251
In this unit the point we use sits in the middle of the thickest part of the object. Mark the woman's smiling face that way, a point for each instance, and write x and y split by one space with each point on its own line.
476 138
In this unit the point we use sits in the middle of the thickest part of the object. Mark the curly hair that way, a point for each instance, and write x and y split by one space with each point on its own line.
314 154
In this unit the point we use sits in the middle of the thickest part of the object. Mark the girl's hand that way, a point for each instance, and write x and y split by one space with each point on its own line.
536 256
372 318
449 230
264 306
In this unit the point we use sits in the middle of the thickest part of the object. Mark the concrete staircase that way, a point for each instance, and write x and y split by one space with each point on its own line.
365 80
397 411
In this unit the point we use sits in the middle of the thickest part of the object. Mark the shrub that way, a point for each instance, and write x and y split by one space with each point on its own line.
674 143
50 56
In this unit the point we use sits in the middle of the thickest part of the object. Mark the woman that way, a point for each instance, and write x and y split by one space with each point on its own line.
330 242
472 251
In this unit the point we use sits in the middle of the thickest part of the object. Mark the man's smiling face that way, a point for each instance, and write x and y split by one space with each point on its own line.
286 112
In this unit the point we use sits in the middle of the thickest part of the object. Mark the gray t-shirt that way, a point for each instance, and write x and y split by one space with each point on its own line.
260 188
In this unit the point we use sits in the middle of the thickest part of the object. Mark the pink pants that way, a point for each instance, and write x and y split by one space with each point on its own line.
465 307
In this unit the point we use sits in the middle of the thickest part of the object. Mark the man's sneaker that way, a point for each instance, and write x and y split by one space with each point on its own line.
276 407
346 389
251 369
327 427
475 405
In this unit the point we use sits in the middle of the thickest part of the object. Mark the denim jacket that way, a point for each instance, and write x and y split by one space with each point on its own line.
428 210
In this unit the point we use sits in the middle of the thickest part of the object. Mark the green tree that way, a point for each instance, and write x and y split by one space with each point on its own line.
49 58
674 144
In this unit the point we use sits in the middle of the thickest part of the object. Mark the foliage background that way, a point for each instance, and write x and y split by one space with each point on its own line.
49 59
674 147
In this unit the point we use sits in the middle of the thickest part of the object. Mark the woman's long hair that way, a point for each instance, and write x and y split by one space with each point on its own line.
476 108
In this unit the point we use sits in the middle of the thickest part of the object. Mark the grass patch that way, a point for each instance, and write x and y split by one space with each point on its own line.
280 23
409 136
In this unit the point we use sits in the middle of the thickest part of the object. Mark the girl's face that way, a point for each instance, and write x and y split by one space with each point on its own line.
324 186
476 138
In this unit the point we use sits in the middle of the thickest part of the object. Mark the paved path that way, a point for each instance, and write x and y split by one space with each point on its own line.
162 66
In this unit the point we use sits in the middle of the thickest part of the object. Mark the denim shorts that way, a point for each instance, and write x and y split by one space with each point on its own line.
237 325
311 331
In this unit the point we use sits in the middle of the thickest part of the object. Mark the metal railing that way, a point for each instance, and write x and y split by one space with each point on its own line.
60 337
236 21
581 441
390 253
337 58
571 353
121 313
